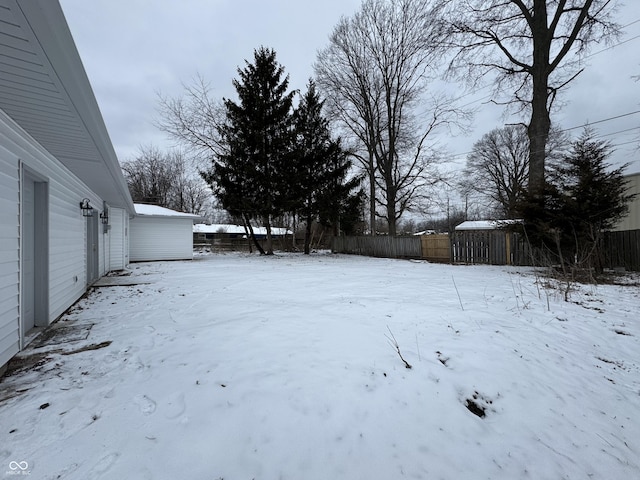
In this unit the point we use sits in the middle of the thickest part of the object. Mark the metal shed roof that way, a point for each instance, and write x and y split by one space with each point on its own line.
486 224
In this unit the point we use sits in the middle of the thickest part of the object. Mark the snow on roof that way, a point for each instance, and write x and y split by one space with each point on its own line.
236 229
145 210
486 224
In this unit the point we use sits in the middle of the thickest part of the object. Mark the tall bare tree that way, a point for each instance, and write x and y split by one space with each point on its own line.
353 93
166 179
375 74
535 48
194 119
498 168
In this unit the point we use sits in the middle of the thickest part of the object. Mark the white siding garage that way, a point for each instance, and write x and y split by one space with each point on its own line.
55 157
159 233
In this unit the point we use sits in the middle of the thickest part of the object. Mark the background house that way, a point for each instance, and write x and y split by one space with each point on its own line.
622 244
233 237
158 233
55 157
490 242
632 220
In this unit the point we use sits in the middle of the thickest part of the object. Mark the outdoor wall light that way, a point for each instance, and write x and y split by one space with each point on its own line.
104 217
87 209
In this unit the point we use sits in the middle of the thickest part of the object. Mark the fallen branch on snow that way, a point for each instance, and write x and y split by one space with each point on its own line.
394 343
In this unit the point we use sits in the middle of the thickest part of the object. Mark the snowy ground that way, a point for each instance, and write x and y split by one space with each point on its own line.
241 367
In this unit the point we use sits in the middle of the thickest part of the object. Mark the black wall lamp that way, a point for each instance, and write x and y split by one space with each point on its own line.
104 217
87 209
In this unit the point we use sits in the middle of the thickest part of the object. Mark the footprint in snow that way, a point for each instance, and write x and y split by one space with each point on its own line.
175 406
69 469
103 465
147 406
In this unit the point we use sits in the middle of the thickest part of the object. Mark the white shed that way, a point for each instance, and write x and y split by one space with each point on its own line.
55 158
158 233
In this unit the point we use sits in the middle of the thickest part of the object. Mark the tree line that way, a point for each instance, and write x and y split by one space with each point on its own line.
268 158
378 85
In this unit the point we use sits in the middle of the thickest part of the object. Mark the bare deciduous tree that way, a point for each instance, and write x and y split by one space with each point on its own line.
535 48
374 75
498 168
166 179
194 119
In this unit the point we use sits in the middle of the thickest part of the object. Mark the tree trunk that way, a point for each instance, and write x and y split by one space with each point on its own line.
391 215
253 237
540 123
372 193
538 132
248 233
294 245
391 192
307 236
269 243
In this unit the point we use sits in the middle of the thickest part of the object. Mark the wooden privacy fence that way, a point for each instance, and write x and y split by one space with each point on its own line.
219 245
436 248
622 250
381 246
496 248
492 247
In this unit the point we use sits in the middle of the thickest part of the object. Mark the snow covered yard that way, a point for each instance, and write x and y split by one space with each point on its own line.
241 367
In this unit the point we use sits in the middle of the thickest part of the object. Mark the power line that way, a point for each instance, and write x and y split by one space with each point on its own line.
601 121
611 47
616 117
620 131
632 23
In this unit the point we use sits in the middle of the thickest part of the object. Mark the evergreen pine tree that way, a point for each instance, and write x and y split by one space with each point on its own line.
250 178
321 167
584 198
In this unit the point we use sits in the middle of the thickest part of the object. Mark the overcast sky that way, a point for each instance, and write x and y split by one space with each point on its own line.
134 49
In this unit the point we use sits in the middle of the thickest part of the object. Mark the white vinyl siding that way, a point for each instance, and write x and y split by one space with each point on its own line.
9 256
632 220
161 238
66 246
118 247
66 231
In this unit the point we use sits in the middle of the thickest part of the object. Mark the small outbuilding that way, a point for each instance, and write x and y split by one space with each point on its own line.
159 233
490 242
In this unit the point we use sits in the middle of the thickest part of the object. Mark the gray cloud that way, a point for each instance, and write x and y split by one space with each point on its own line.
134 49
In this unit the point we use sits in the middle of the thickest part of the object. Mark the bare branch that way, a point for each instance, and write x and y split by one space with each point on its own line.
394 343
375 74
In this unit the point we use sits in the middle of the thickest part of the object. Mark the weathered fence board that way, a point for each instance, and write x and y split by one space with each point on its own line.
622 250
436 248
380 246
219 245
492 247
